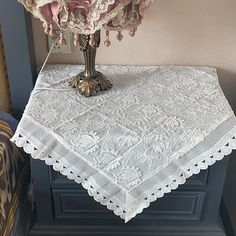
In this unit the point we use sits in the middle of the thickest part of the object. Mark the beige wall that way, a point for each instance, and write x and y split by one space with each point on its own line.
196 32
174 32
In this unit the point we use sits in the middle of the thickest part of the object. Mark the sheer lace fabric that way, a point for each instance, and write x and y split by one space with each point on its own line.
158 126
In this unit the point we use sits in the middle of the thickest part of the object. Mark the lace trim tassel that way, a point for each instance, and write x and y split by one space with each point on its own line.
76 40
51 30
107 42
62 39
132 32
92 40
46 28
119 36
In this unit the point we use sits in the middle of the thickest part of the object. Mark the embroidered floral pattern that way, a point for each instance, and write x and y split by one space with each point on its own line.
129 176
88 142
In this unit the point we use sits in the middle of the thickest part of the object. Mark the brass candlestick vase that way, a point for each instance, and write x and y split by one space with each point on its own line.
90 82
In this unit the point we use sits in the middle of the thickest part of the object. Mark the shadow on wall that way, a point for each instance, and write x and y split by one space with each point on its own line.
228 83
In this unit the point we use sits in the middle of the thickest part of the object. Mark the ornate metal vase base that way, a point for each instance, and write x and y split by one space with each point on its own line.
90 86
90 82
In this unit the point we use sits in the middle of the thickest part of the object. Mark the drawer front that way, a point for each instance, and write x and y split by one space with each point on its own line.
76 206
196 182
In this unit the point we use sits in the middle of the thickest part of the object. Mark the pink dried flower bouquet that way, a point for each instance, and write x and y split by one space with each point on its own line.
88 16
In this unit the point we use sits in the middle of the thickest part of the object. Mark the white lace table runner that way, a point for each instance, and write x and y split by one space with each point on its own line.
129 146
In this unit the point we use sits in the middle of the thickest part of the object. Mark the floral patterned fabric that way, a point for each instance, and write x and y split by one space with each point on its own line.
14 167
155 128
88 16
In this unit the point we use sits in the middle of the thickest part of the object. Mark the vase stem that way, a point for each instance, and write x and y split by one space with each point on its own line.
90 82
89 58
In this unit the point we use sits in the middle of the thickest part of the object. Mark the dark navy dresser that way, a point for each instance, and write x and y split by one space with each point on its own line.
64 208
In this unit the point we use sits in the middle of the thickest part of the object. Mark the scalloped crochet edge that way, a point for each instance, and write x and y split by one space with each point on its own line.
186 173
